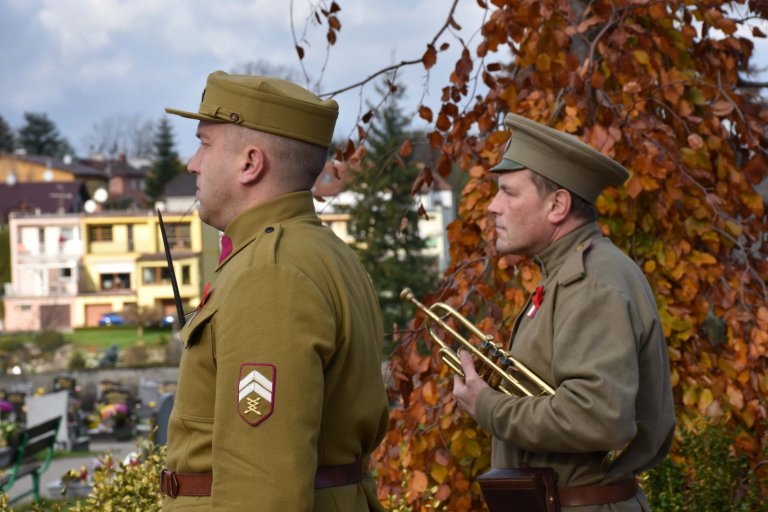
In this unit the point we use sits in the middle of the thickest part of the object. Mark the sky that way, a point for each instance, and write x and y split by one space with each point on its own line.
83 62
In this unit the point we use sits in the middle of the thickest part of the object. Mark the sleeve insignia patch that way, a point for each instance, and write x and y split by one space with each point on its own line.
256 392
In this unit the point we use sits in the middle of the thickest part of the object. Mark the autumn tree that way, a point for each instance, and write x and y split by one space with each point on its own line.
40 136
384 224
662 87
165 161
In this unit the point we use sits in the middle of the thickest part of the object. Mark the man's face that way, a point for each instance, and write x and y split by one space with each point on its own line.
214 164
522 225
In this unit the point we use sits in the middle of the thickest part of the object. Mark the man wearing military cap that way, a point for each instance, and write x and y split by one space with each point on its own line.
591 331
280 399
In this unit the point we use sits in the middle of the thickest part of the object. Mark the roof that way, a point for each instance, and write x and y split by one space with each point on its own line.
48 197
338 176
113 168
182 185
76 168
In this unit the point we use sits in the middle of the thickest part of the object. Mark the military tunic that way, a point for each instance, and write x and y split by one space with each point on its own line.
281 370
597 338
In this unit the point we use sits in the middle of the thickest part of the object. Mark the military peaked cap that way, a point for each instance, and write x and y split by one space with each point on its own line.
266 104
561 157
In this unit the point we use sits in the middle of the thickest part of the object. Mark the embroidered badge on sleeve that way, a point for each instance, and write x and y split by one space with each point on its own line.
256 392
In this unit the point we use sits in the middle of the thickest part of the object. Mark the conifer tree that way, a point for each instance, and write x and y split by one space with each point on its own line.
394 257
165 164
40 136
7 138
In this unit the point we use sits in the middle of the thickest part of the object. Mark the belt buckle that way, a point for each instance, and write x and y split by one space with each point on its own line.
170 484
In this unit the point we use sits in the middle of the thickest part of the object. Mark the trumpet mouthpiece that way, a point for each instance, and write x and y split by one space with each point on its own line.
406 294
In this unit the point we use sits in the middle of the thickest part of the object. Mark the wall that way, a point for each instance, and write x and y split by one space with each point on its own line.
88 380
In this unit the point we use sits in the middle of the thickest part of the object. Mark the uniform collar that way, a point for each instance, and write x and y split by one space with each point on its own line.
553 256
260 218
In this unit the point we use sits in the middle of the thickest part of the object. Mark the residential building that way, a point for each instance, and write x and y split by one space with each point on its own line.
42 197
125 182
68 270
46 257
331 191
23 168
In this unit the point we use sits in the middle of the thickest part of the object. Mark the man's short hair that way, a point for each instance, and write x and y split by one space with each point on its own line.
580 208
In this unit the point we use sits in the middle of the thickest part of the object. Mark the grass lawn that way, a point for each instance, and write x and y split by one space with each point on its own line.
104 337
100 338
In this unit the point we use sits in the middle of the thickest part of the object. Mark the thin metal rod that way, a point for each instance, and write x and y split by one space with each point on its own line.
171 272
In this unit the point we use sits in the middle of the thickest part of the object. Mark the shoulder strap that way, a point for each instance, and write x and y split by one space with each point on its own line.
573 266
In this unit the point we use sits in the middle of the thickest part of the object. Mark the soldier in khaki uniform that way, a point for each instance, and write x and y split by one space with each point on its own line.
591 331
280 397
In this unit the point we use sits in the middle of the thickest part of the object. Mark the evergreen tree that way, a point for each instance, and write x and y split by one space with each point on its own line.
393 257
166 164
39 136
7 138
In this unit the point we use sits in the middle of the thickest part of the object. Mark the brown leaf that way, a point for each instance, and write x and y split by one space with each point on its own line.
300 51
722 108
334 22
435 139
367 116
406 148
331 36
403 223
425 113
430 57
444 47
334 8
695 141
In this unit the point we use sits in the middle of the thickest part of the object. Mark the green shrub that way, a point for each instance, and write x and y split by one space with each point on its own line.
707 476
77 361
49 341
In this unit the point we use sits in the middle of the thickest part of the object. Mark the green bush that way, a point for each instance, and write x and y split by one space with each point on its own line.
708 476
49 341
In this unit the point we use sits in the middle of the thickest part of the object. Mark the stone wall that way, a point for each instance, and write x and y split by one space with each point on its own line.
87 380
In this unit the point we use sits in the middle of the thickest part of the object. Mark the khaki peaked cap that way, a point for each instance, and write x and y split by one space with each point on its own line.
560 157
266 104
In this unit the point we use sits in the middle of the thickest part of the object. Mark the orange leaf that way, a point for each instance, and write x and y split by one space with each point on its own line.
425 113
406 149
430 57
418 483
695 141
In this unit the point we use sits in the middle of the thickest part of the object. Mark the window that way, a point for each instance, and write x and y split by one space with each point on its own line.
156 275
65 272
100 233
67 234
186 276
179 235
115 281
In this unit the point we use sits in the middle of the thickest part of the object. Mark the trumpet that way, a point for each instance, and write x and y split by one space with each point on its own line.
496 367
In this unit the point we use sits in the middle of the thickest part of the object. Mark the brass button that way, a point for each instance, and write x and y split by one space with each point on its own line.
269 229
234 117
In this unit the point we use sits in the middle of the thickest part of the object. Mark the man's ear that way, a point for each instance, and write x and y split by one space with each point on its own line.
560 205
253 165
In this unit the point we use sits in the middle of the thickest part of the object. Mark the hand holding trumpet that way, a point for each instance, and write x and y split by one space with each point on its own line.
466 390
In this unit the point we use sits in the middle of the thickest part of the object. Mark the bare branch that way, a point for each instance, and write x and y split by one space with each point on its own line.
388 69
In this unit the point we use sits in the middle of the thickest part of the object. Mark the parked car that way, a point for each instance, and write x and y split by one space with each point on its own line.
113 318
168 320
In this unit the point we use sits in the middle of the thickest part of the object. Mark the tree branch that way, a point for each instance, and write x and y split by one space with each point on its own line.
396 66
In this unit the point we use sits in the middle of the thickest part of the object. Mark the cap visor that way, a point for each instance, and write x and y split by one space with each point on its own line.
506 165
193 115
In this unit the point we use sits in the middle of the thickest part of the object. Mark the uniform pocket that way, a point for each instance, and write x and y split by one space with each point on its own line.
190 332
